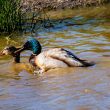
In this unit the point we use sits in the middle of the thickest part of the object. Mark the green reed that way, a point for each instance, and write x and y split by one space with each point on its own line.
14 17
10 15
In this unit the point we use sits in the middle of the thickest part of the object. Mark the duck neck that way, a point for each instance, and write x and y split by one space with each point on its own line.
16 59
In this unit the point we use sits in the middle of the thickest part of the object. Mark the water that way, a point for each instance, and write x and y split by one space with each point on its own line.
66 88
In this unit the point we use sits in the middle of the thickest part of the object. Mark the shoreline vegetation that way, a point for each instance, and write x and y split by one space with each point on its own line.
18 15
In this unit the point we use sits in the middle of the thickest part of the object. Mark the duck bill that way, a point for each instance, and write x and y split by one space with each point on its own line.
1 53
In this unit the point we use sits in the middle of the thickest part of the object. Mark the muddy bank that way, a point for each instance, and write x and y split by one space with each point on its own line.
59 4
36 20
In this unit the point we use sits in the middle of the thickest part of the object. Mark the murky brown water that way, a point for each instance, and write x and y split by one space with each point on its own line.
61 89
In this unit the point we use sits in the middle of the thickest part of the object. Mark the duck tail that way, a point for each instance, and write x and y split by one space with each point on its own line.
84 63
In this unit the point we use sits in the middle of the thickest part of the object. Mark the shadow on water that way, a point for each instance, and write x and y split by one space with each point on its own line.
66 88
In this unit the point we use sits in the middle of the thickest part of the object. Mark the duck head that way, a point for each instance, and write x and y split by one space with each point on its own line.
9 50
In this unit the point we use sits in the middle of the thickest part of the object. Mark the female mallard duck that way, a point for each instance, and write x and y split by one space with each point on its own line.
52 58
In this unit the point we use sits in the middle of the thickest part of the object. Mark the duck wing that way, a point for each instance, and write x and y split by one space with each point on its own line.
84 63
67 57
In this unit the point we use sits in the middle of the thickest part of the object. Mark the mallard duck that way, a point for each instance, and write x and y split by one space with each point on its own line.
52 58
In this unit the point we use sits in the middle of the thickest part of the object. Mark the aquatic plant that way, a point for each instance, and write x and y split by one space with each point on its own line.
10 15
14 17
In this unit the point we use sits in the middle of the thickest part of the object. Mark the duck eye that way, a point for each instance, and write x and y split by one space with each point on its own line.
6 48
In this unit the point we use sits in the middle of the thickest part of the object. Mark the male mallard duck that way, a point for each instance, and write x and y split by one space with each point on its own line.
52 58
